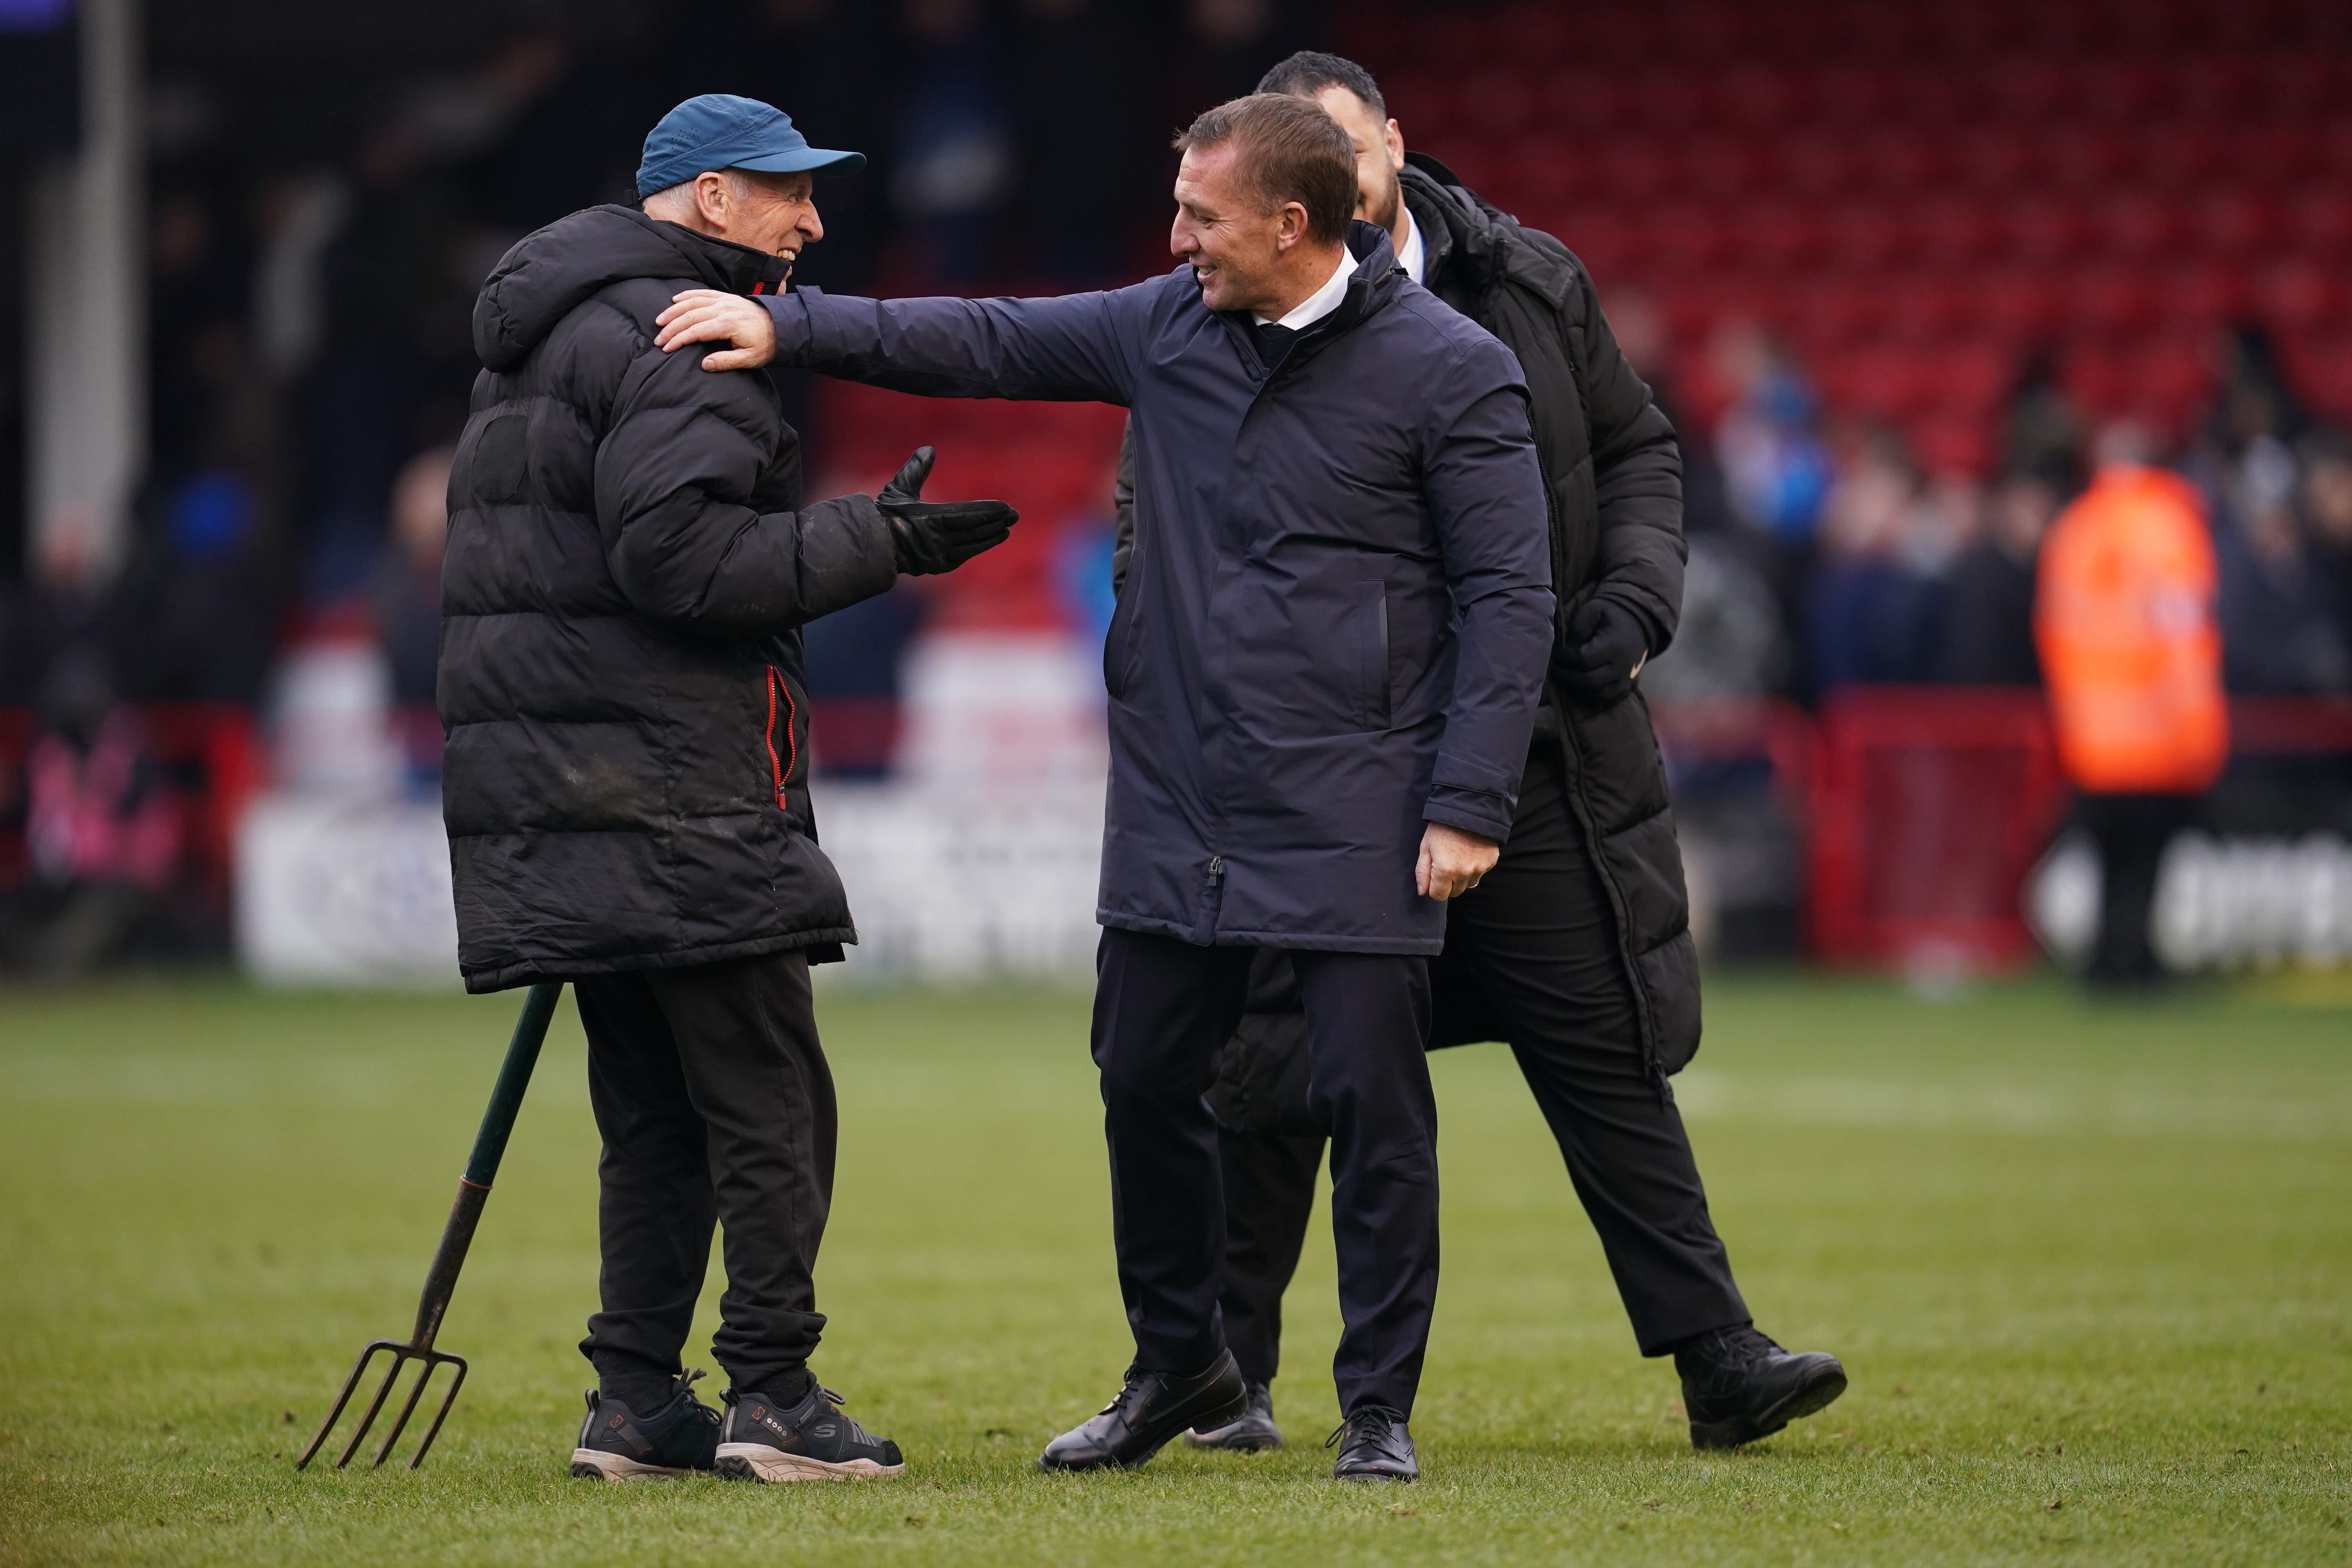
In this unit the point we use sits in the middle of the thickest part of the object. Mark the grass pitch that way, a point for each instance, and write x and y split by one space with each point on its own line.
2089 1267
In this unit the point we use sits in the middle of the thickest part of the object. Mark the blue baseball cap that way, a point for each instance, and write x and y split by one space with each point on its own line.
719 130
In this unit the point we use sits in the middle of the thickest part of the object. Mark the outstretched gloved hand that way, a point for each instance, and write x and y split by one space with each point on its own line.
938 536
1605 649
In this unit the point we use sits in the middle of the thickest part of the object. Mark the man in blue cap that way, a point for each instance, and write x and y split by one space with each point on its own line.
628 568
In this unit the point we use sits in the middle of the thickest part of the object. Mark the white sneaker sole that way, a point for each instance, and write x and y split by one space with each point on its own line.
759 1462
593 1464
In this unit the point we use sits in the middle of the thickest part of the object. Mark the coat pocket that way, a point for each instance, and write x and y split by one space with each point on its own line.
1119 642
784 736
1368 633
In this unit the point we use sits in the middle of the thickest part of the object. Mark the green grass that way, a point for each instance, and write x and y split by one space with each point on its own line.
2090 1268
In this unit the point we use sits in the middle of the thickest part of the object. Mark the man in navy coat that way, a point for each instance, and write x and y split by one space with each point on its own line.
1323 674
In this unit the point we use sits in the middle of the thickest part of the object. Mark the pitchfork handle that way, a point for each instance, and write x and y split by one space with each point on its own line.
482 1168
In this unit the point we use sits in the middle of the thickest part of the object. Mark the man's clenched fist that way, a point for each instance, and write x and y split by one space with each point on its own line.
710 316
1452 861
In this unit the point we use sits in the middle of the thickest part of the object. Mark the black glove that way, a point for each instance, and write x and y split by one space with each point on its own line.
938 536
1606 646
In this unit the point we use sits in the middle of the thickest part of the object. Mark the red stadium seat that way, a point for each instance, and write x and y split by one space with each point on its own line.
1957 229
2134 226
2045 227
2234 221
1997 159
2088 158
2318 220
2017 304
2112 300
2203 296
1497 104
1957 442
2176 156
2299 295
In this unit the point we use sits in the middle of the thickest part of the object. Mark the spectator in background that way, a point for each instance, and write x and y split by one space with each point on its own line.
201 604
1873 608
1083 128
61 609
2124 618
1775 467
405 588
2281 631
954 158
2323 500
101 826
1988 633
1775 472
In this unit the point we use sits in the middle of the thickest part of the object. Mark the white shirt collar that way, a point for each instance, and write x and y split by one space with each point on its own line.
1321 302
1413 257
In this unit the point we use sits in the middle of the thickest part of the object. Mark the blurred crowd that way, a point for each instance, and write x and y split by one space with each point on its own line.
1824 555
318 223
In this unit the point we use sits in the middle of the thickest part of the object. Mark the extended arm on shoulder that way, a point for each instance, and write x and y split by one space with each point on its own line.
1082 347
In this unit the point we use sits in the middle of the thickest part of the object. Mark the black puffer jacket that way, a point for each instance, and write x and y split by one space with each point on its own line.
628 570
1613 472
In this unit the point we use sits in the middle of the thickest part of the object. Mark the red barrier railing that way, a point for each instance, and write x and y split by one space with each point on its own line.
215 761
1923 809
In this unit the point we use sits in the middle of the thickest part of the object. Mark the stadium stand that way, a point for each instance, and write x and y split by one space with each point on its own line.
1912 198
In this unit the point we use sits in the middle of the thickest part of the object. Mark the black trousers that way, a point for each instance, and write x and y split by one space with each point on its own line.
2132 831
716 1106
1163 1010
1533 951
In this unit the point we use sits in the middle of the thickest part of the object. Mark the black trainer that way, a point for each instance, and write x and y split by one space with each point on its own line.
1374 1447
616 1444
1254 1433
765 1440
1151 1408
1738 1386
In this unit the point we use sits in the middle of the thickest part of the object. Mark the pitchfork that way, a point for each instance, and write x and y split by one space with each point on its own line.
441 1280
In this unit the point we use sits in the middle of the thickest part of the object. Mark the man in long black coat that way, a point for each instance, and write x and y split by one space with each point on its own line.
1323 673
1576 948
625 781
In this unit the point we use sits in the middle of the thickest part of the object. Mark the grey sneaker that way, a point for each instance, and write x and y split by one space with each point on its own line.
763 1441
616 1444
1254 1433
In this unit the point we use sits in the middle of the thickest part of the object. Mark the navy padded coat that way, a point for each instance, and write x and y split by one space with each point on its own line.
1335 623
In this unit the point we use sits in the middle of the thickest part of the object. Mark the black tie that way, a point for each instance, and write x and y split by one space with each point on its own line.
1274 340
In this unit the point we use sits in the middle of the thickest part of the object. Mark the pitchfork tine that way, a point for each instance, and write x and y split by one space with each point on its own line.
375 1405
424 1376
448 1259
342 1399
448 1400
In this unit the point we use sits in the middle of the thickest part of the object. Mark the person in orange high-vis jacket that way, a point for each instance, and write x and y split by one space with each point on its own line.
2124 618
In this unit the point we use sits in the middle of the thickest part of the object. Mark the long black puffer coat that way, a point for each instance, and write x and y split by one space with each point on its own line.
628 570
1612 473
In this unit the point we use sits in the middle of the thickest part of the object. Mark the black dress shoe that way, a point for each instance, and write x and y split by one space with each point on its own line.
1374 1447
1254 1433
1151 1408
1738 1386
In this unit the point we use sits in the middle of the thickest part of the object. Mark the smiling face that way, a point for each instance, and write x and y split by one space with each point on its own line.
1380 153
775 214
1237 252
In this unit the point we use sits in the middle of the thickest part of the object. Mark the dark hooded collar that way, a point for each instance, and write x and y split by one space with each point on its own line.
547 274
1469 245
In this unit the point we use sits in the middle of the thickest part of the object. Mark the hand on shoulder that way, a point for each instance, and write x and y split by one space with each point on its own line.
708 316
